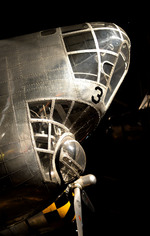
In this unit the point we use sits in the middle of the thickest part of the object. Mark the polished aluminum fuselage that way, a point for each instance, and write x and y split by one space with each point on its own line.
36 68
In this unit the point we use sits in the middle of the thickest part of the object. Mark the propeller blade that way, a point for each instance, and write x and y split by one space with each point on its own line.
78 186
78 210
87 201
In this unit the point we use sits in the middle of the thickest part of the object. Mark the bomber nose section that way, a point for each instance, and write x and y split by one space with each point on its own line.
100 53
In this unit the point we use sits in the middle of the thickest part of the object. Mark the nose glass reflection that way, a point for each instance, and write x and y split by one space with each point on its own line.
72 160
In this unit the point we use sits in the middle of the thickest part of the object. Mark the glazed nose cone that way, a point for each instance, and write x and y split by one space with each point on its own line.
98 52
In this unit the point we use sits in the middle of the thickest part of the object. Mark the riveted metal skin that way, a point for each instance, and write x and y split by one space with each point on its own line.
52 84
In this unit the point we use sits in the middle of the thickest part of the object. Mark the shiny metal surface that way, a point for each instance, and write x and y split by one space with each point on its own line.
51 83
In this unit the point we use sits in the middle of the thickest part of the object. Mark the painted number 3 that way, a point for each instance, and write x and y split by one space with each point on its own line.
96 99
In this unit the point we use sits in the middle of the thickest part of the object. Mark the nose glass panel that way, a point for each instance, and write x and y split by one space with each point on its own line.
98 52
51 119
72 160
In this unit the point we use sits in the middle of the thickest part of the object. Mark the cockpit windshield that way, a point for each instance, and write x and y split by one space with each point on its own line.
99 52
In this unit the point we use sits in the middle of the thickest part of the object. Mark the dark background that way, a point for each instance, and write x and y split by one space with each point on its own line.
118 151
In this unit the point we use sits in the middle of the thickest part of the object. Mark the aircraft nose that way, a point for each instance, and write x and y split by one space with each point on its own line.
97 51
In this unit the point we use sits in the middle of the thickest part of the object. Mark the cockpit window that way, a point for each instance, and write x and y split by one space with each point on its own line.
80 41
98 52
120 68
81 66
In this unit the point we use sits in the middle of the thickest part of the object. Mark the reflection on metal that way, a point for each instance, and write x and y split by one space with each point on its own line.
55 86
145 103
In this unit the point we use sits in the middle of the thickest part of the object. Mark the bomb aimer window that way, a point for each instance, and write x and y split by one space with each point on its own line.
51 119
